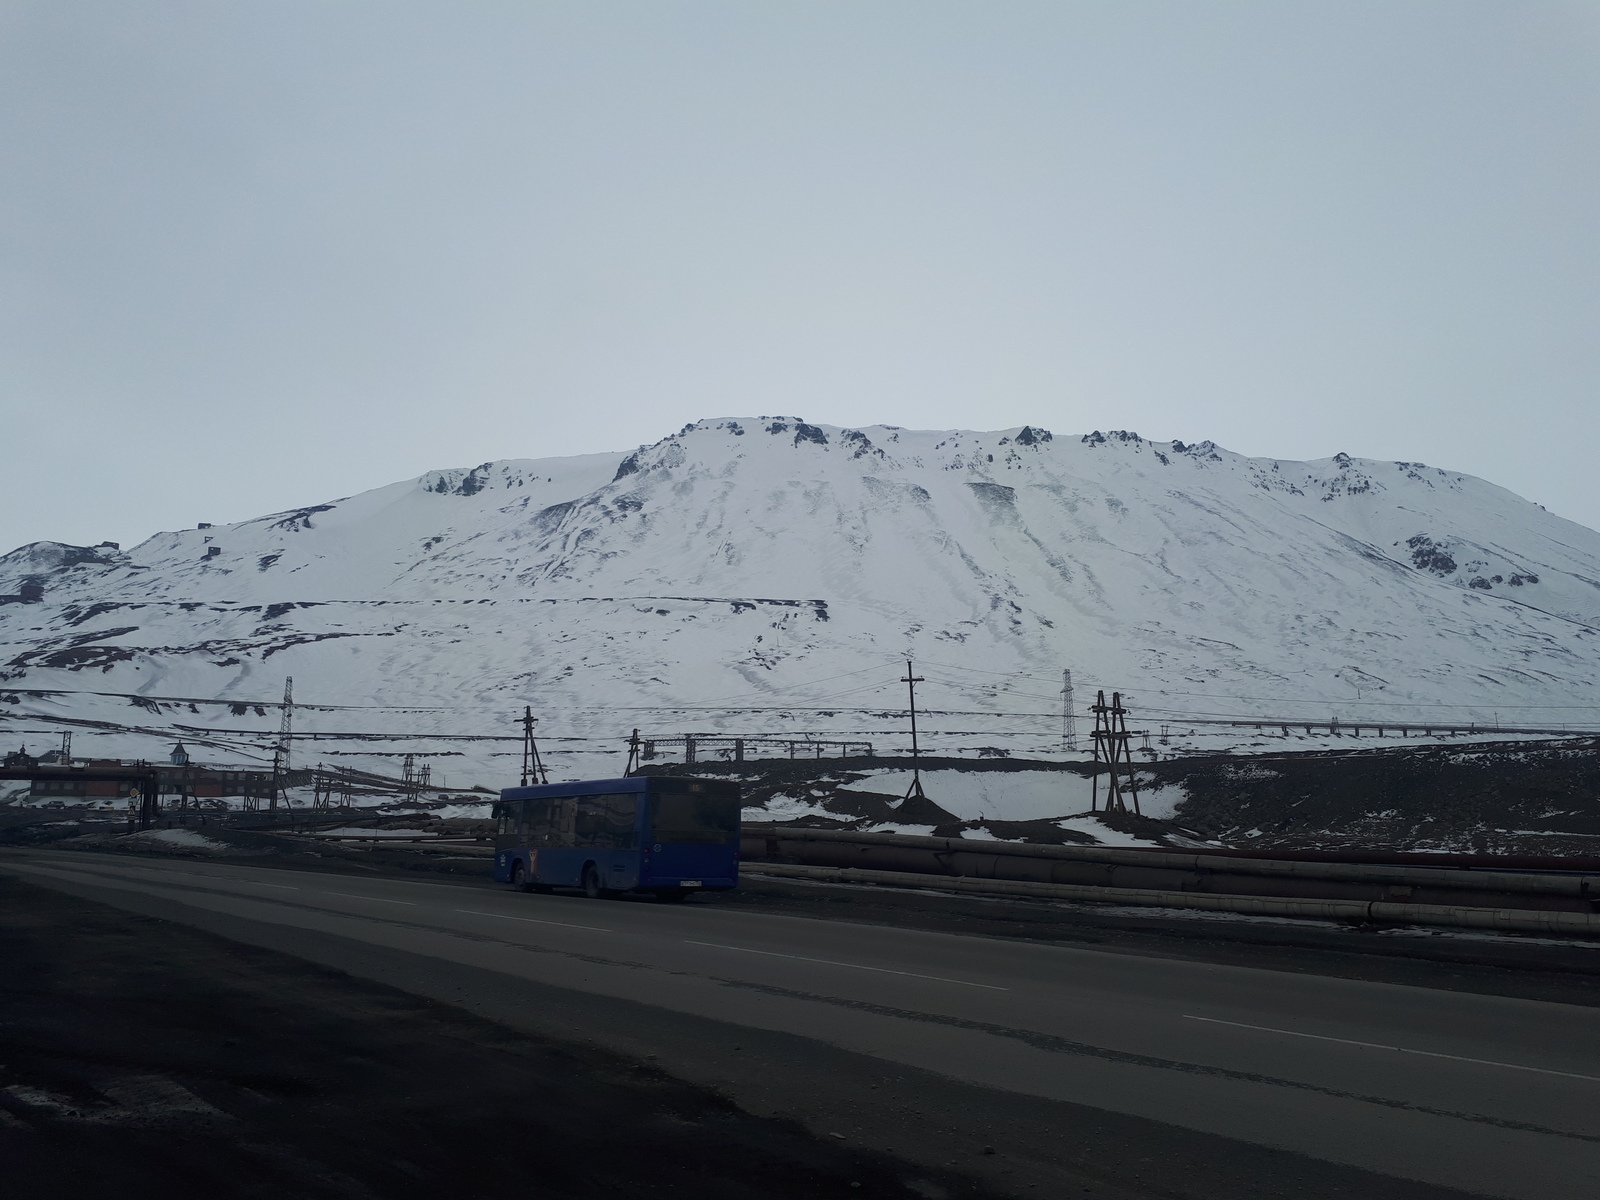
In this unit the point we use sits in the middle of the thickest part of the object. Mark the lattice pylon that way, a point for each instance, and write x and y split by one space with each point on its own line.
1112 749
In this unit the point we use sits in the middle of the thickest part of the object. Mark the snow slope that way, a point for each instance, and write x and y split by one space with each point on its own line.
769 576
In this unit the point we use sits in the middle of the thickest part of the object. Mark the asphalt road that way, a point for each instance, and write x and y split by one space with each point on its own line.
1487 1095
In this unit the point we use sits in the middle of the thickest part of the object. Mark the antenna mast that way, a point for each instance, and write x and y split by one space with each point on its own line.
914 792
532 765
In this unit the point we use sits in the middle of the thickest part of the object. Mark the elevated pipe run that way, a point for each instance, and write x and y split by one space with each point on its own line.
1564 924
1112 867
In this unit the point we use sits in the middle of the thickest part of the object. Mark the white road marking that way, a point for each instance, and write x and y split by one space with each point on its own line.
1482 1062
532 920
379 899
253 883
856 966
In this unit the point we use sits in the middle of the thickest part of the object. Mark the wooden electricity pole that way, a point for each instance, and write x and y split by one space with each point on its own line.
914 792
532 765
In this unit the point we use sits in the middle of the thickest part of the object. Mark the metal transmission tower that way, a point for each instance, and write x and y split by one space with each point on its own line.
532 765
286 726
414 780
1069 716
280 753
635 746
321 790
1111 748
914 792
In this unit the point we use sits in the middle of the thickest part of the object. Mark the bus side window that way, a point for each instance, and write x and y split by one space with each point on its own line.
608 822
551 822
622 821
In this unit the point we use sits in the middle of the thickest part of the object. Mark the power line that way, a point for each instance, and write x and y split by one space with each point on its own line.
1342 700
43 693
789 687
710 703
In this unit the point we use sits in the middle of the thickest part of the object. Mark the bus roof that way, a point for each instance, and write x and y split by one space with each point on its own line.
632 783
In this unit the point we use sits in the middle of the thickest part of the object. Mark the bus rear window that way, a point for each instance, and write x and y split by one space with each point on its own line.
685 817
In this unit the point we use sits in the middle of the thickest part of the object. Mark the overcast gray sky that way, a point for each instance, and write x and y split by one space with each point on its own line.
261 253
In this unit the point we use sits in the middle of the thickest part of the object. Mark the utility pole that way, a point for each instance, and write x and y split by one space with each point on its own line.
1069 718
532 765
914 792
633 754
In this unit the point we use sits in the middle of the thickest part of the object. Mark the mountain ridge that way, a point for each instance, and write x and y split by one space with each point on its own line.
749 561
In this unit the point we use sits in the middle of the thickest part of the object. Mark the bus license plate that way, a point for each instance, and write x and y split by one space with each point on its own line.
690 883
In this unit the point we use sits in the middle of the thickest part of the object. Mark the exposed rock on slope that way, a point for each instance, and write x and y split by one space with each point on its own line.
749 573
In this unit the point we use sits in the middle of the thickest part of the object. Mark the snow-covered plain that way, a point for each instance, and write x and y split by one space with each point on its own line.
765 576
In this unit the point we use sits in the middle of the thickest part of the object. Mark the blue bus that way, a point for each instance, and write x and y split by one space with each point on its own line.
647 833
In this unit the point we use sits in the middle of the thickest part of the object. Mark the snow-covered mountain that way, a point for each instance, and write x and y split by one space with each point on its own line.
770 576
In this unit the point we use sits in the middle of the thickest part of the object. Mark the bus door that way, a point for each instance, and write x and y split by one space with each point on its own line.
606 836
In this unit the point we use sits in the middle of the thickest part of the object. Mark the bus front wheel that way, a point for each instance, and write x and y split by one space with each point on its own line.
519 877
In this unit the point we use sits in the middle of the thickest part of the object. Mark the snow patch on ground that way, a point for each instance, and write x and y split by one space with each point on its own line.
477 810
789 808
1015 795
362 831
185 838
992 795
1103 835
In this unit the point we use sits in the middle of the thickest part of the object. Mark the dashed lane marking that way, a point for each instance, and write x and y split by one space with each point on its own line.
1482 1062
376 899
855 966
532 920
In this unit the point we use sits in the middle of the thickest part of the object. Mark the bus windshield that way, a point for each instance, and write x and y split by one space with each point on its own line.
684 817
